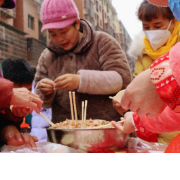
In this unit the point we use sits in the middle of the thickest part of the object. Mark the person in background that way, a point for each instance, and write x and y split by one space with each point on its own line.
161 31
38 124
19 97
20 73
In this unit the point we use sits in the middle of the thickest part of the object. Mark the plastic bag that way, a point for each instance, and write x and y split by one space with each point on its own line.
137 145
42 147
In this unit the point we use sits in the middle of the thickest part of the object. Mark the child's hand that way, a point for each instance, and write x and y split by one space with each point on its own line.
118 106
46 86
128 126
13 137
67 81
21 111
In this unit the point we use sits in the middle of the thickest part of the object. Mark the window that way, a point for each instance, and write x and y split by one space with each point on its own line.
30 22
85 5
97 6
42 35
100 23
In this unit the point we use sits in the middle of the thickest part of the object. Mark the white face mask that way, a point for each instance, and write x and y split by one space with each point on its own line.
158 38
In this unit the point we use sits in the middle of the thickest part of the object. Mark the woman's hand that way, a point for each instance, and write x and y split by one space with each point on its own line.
141 97
13 137
46 86
22 97
118 106
21 111
126 127
67 81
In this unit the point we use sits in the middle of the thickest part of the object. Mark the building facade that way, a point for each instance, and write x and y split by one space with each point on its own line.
125 41
20 28
20 32
103 17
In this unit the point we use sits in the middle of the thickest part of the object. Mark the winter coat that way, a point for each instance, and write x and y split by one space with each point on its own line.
103 70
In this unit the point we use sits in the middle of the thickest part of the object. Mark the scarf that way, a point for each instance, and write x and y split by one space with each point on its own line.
164 49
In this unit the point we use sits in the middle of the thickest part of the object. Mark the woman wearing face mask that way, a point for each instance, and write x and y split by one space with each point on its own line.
161 33
154 114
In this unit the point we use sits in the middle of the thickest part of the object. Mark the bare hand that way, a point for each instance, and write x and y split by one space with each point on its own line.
22 97
46 86
67 81
13 137
141 97
118 106
126 127
21 111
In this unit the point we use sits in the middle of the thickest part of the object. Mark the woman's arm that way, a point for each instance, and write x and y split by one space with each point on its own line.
114 74
167 121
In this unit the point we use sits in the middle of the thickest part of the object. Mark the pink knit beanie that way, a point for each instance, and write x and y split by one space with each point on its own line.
58 14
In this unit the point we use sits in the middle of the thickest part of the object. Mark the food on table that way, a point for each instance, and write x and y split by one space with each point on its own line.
79 124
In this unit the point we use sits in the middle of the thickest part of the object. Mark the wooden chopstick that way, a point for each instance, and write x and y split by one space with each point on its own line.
108 125
85 110
82 110
71 105
43 116
75 110
111 97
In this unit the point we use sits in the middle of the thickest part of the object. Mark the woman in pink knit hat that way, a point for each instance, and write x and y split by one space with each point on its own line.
79 59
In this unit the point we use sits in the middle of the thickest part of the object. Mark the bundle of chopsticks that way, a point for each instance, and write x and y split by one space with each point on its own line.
74 116
84 110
